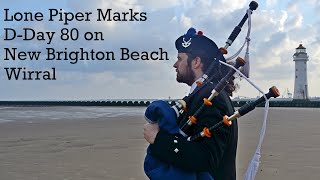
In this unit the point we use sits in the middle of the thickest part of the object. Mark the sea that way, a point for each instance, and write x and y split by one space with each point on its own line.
32 114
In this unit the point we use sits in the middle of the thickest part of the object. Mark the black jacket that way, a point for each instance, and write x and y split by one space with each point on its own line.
217 154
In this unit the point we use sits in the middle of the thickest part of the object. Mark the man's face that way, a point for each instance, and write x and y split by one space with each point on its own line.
184 71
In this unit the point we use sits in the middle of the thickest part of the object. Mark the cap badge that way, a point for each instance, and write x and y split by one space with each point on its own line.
185 43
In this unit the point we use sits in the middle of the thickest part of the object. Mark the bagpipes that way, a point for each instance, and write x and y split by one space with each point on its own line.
227 121
165 115
215 92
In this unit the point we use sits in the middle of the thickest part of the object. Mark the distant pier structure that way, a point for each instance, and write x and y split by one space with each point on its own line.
301 81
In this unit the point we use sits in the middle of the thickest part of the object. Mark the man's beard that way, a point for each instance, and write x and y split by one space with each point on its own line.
187 78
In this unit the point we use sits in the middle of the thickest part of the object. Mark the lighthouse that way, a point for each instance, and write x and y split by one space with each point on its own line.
300 83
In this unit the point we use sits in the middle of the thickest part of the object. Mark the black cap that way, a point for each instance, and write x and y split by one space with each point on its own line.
197 44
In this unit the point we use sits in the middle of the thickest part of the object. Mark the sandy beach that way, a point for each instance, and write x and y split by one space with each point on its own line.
102 143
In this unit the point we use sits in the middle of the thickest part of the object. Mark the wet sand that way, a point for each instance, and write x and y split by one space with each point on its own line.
76 143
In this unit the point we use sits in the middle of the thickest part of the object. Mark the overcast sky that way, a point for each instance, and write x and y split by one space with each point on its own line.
278 27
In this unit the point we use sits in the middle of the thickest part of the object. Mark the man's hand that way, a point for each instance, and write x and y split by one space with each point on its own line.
150 132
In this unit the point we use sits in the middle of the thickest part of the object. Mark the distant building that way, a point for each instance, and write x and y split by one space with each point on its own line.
287 94
301 82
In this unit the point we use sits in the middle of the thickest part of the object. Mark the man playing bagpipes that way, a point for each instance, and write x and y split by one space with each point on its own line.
195 138
215 155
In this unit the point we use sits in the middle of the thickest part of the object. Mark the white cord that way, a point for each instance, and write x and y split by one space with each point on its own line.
244 77
255 161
